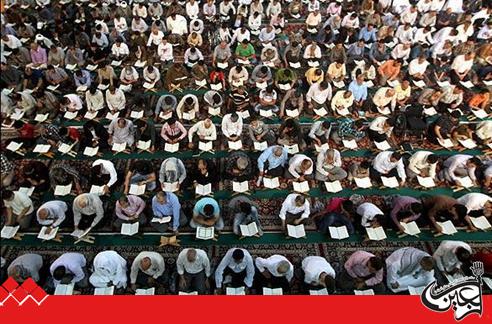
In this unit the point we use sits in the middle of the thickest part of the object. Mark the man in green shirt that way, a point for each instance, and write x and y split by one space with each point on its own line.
246 52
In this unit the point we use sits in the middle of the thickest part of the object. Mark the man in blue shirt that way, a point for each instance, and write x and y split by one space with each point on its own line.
206 213
275 157
166 204
368 34
359 90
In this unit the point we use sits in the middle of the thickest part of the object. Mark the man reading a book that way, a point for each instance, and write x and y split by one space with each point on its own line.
362 271
235 270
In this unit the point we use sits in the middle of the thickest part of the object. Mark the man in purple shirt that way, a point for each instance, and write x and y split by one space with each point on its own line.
39 57
405 209
129 209
362 271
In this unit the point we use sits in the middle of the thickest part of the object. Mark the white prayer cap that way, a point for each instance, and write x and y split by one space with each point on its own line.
123 4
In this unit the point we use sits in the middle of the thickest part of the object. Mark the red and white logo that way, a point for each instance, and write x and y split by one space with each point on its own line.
10 289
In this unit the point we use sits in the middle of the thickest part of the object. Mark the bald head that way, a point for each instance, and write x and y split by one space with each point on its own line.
145 263
191 255
283 267
43 213
82 201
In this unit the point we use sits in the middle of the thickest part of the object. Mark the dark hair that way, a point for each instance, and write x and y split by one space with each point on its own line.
416 208
376 263
365 164
462 254
461 210
8 194
455 114
433 158
348 206
325 124
208 210
59 273
475 161
396 155
245 208
238 254
330 284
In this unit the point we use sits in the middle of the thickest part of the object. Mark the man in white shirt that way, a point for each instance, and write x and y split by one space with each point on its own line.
300 168
295 209
232 126
388 164
177 24
205 132
193 268
370 215
147 269
273 272
88 211
103 173
318 273
329 166
476 203
459 166
423 164
381 129
52 214
69 268
19 208
318 94
235 270
409 267
109 269
119 50
449 258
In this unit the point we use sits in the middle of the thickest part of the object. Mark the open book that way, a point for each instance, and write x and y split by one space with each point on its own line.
189 115
240 186
319 292
323 147
480 222
170 187
446 143
295 65
296 231
383 146
364 292
140 64
78 233
274 291
468 143
363 182
216 86
64 290
334 186
116 63
245 114
136 189
239 291
431 111
376 233
260 146
98 190
171 148
415 290
467 84
284 86
90 115
119 147
9 232
205 146
426 182
391 182
237 145
447 227
271 183
166 115
350 144
300 186
63 190
338 233
111 116
14 146
42 148
410 228
161 220
480 113
144 145
321 112
137 114
205 233
261 85
266 113
41 117
104 291
419 83
249 230
214 111
46 237
201 83
143 292
292 113
28 191
192 293
203 190
222 65
65 148
70 115
129 228
465 182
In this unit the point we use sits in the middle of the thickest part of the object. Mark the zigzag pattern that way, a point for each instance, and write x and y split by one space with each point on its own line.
21 293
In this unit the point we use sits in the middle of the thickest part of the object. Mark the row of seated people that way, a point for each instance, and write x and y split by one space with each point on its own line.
408 269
